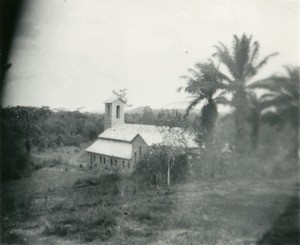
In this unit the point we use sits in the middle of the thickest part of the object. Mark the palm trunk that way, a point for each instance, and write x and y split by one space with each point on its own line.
296 149
241 112
255 131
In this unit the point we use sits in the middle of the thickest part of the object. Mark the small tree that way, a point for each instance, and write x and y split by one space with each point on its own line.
159 164
122 94
176 139
173 148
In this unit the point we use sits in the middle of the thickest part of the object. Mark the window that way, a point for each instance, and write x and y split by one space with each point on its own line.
111 161
104 160
135 157
118 111
116 161
100 157
123 164
140 151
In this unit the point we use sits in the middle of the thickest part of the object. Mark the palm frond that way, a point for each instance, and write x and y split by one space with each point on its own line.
265 60
255 52
179 89
225 58
241 52
278 84
278 101
194 73
192 104
222 100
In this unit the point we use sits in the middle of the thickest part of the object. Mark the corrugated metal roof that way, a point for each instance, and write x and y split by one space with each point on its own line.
127 132
111 148
113 99
151 134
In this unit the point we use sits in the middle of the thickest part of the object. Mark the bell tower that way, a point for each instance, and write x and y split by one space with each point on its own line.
114 112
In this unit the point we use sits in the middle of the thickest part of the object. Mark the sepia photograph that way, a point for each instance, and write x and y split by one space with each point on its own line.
160 122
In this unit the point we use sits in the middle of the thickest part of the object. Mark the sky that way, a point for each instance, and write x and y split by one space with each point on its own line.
72 53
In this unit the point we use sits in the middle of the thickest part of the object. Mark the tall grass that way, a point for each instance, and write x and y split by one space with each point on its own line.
95 223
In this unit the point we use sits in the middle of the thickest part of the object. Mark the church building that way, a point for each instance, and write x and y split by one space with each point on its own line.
120 146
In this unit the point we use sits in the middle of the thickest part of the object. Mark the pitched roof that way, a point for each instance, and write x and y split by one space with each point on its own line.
151 135
111 148
113 99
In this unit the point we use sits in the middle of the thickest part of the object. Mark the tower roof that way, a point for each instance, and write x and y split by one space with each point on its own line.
113 99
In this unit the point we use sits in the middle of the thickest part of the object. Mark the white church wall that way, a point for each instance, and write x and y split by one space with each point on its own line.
139 148
110 163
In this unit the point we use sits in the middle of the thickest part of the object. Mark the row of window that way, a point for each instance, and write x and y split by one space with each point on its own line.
113 161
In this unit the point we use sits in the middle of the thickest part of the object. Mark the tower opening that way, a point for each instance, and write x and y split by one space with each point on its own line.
118 111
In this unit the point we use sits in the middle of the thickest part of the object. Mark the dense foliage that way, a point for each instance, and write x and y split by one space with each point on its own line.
24 128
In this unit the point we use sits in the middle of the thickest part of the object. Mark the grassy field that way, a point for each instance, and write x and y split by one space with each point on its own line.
66 204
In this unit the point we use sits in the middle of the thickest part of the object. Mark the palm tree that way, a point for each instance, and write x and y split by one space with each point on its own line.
203 85
242 65
254 117
283 96
259 115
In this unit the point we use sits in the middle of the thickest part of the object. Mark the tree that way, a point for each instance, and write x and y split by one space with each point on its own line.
153 167
282 99
24 129
254 117
203 85
148 116
176 139
18 131
242 65
258 115
171 120
122 94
